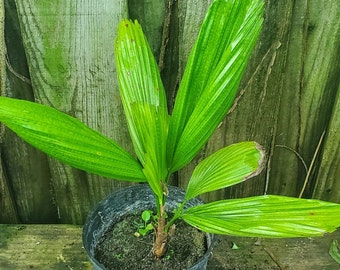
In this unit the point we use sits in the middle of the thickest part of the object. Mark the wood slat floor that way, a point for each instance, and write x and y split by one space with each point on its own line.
59 247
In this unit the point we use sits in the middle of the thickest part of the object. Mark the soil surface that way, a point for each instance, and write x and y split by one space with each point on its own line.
121 249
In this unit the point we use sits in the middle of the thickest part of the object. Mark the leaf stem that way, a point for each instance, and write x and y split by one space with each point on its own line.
177 214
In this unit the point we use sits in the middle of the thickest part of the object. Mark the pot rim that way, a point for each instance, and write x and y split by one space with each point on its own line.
101 218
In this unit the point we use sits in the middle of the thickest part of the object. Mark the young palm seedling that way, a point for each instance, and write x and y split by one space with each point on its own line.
147 224
165 143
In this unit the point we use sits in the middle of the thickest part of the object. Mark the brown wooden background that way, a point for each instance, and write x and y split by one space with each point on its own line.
60 53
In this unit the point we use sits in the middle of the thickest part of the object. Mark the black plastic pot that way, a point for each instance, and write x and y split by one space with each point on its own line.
126 201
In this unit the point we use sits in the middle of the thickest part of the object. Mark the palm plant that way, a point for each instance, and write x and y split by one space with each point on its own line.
165 143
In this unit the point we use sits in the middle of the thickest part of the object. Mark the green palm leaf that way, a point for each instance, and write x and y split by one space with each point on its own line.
265 216
67 139
212 76
226 167
152 132
144 101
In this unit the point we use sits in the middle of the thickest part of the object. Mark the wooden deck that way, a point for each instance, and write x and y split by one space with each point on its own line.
60 247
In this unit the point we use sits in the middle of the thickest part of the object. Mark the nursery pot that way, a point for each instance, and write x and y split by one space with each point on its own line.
127 201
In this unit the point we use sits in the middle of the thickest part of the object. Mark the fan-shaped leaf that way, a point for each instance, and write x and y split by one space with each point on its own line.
212 76
265 216
226 167
144 101
138 77
67 139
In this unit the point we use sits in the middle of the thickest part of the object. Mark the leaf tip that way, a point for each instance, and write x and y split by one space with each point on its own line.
261 163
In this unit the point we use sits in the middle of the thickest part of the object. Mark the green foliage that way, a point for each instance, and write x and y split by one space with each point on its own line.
212 76
67 139
334 251
235 247
226 167
265 216
146 226
165 143
144 101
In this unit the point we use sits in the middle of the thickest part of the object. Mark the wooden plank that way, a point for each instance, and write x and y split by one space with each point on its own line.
42 247
150 14
7 205
2 49
290 88
60 247
274 254
327 185
8 211
69 46
308 74
25 170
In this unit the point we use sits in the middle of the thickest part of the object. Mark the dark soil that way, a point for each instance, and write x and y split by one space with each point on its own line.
121 249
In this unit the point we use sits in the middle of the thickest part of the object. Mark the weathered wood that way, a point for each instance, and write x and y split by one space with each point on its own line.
69 45
42 247
60 247
288 97
25 171
327 186
7 203
150 14
2 48
311 72
274 254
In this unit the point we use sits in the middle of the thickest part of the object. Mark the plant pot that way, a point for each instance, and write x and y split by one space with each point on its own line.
127 201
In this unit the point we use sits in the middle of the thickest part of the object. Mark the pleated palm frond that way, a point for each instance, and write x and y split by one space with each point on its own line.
265 216
144 101
212 76
226 167
69 140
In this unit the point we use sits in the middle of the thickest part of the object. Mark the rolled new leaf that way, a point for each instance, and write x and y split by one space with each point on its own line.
265 216
144 101
226 167
69 140
139 80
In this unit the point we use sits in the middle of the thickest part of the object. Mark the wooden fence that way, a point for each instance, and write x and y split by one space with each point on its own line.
60 53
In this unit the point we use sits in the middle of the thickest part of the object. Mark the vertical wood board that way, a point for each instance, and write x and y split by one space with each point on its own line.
69 45
289 95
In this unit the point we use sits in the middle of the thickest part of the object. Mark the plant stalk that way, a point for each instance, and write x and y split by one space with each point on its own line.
176 216
159 246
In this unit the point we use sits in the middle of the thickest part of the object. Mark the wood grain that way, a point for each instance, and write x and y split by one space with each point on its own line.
69 46
289 95
42 247
60 247
327 186
25 170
